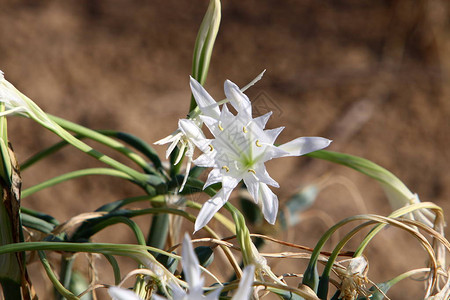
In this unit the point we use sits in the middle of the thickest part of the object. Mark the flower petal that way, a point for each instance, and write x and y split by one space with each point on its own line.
205 102
210 208
118 293
264 177
261 121
304 145
272 134
238 99
189 154
206 160
245 285
269 203
177 291
191 267
252 184
271 152
194 134
213 177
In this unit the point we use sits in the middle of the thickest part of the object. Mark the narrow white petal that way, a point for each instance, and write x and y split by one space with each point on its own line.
211 207
304 145
186 175
211 123
213 177
191 267
238 99
245 285
190 129
226 116
261 121
194 134
171 148
264 177
169 138
180 153
177 291
205 102
12 111
206 160
272 134
271 152
252 185
229 182
269 203
118 293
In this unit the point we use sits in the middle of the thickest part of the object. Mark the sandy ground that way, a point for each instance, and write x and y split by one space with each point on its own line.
373 76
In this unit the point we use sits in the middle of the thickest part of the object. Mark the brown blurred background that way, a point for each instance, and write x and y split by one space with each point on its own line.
371 75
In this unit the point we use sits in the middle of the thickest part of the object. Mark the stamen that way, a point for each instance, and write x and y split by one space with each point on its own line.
226 168
252 171
258 144
244 129
220 127
211 147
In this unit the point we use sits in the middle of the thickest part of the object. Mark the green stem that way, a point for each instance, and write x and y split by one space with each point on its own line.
101 138
324 279
399 212
158 231
96 225
65 273
72 175
137 143
51 275
116 269
242 233
65 135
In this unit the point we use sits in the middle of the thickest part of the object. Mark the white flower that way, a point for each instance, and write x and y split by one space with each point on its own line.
186 140
118 293
17 103
195 281
239 150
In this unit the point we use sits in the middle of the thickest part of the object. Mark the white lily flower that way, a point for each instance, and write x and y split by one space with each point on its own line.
118 293
184 141
239 150
192 273
207 106
17 103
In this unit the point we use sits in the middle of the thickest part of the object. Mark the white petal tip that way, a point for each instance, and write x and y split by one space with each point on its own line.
272 222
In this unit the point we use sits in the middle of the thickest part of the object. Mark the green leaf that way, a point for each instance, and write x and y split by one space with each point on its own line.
396 191
37 224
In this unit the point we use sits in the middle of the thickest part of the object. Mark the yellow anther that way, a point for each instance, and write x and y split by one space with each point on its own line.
211 147
252 171
226 168
244 129
220 127
258 144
